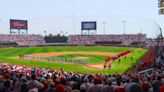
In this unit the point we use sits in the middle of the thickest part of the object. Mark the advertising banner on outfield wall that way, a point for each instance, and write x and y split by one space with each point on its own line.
18 24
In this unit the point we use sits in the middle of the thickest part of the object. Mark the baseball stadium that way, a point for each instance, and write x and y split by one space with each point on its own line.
76 55
93 58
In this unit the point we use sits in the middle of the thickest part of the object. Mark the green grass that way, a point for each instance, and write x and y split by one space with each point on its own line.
8 55
34 50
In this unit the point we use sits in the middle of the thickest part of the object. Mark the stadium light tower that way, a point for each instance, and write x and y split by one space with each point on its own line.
124 22
104 23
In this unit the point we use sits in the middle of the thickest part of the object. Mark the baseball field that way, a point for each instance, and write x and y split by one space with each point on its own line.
95 56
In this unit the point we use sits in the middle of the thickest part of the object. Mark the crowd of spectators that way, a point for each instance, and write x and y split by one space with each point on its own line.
153 43
147 61
23 40
15 78
92 39
153 59
81 40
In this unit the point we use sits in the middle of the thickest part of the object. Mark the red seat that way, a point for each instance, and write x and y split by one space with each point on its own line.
162 88
120 89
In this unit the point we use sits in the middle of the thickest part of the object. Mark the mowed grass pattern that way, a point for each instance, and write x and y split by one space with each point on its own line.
8 55
34 50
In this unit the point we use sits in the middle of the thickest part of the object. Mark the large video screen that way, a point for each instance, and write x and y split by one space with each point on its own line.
88 25
18 24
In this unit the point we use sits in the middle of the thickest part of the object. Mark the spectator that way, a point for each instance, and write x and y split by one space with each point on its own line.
51 87
34 83
108 87
133 87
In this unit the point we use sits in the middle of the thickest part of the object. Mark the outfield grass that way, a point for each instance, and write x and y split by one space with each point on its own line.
8 54
34 50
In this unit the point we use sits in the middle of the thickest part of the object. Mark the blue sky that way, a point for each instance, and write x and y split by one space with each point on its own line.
55 16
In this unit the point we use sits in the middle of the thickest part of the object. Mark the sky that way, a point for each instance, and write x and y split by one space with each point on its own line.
65 16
